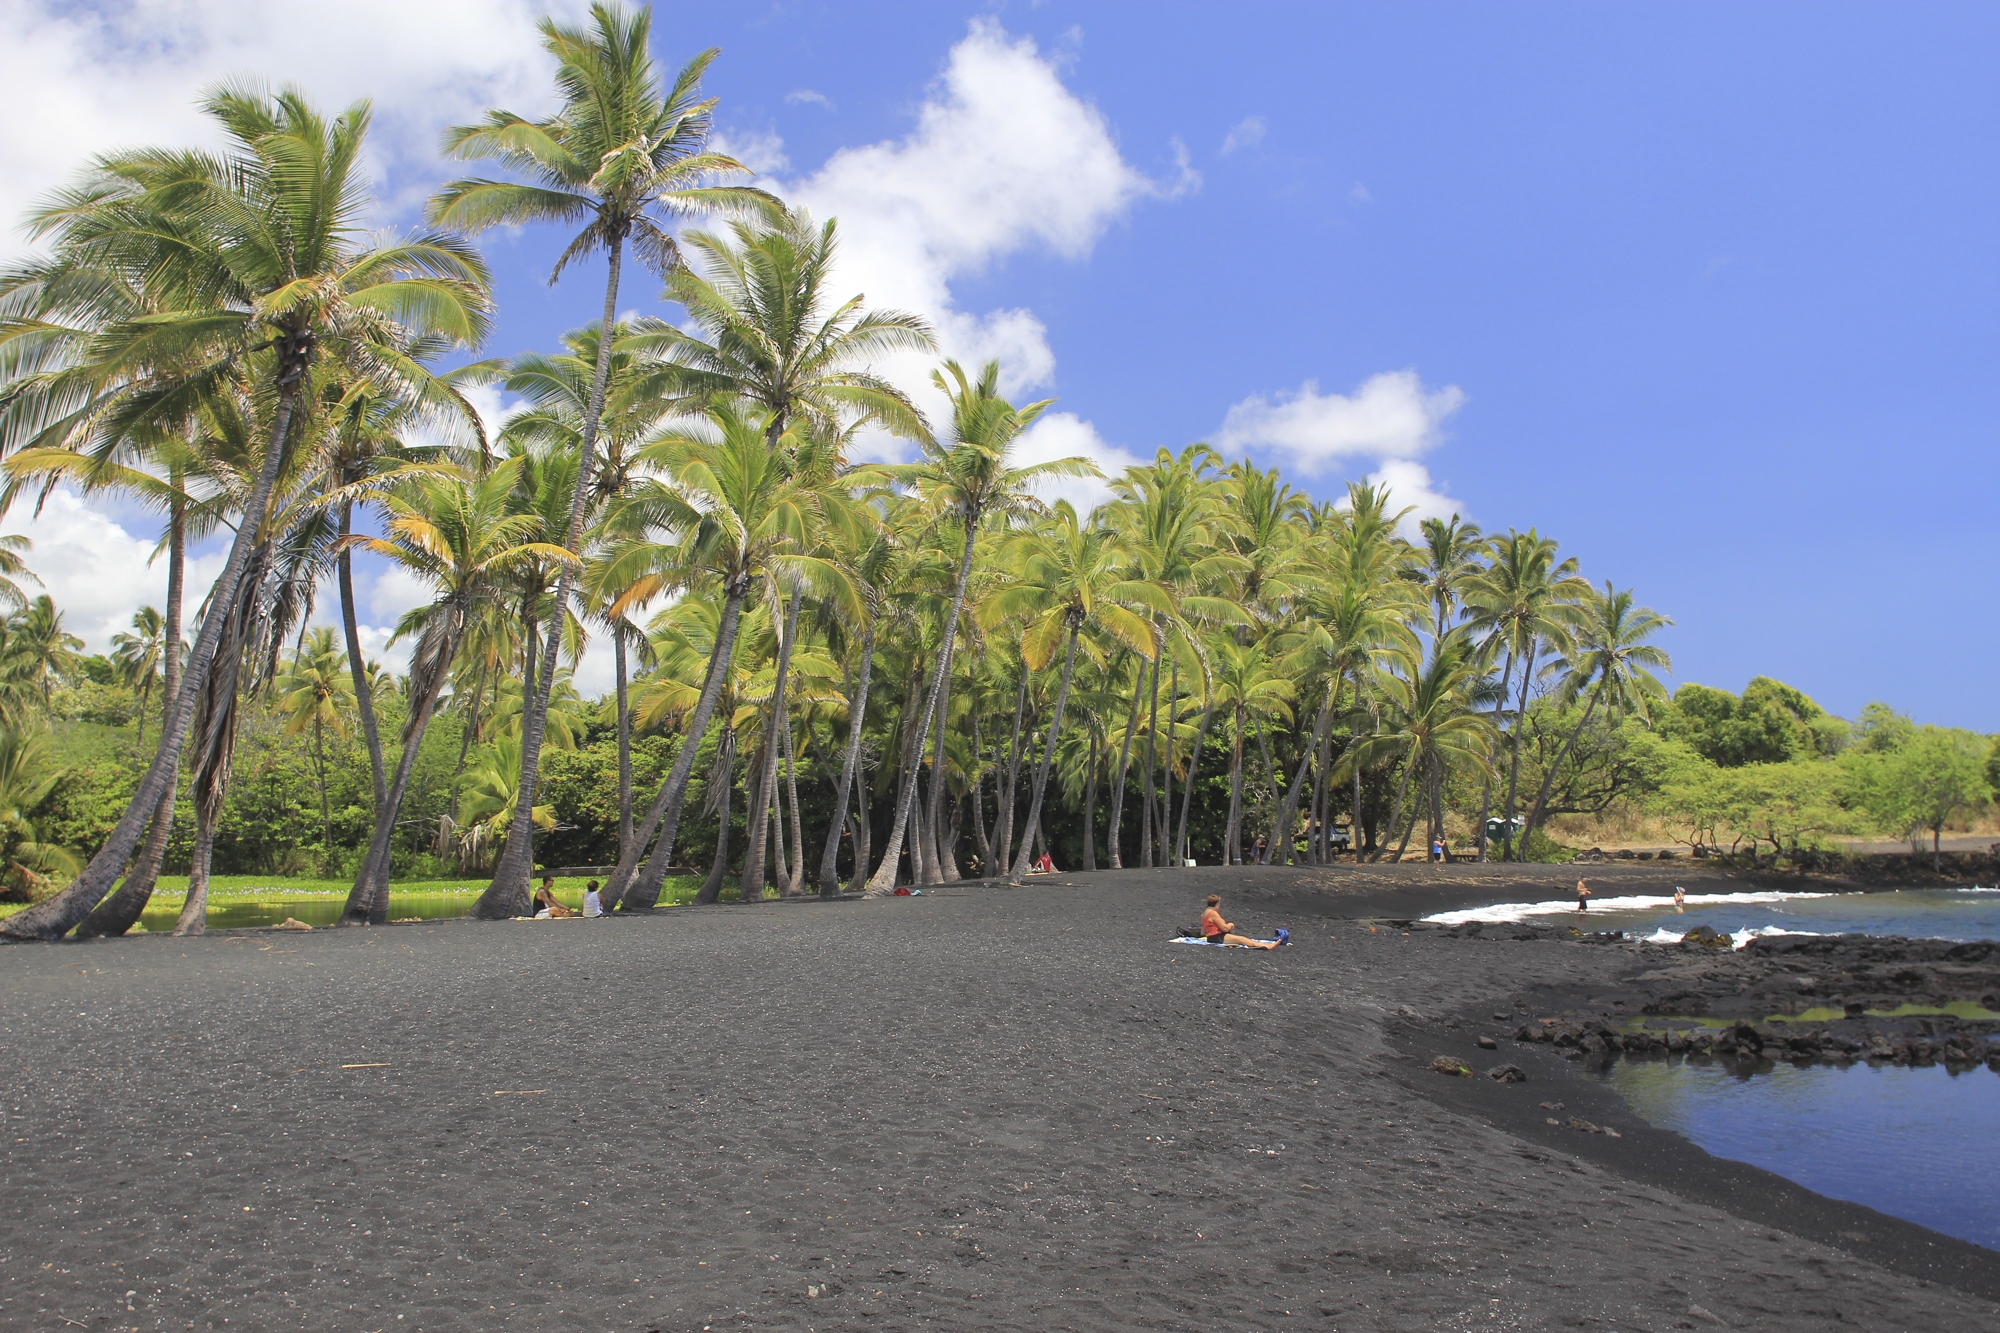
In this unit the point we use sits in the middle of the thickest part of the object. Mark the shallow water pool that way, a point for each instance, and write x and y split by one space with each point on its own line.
1916 1143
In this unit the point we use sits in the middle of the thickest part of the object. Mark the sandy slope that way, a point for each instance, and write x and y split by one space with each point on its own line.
975 1109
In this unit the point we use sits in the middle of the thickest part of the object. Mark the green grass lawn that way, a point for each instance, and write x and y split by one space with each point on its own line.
678 889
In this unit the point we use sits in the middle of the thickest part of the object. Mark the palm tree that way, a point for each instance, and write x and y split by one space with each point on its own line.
1448 557
313 693
12 567
1609 663
1248 688
765 333
44 648
1070 575
1531 604
737 514
138 656
28 773
1432 725
960 481
621 156
456 531
251 253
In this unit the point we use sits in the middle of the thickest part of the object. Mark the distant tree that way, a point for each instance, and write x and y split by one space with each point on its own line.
138 657
315 692
1921 783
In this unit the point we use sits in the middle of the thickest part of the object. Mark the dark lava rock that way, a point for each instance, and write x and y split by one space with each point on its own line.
1488 1044
1451 1064
1704 937
1506 1074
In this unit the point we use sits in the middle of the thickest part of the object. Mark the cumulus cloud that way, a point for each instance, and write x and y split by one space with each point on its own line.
1066 435
99 571
1410 487
1245 133
810 97
1391 415
87 78
1003 159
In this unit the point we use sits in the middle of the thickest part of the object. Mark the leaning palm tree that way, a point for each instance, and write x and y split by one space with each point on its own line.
622 156
762 331
456 532
734 513
1069 576
1610 664
313 692
959 481
256 257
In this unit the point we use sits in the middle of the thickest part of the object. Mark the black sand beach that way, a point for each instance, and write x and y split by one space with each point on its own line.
977 1109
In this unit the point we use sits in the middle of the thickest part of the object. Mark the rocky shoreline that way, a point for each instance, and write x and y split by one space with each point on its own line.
1805 999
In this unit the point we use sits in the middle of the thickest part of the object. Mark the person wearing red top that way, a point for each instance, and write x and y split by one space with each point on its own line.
1217 931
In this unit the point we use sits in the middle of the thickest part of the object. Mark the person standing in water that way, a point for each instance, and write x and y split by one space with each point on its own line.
1582 895
1680 898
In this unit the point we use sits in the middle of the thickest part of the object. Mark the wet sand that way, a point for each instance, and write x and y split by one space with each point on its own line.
976 1109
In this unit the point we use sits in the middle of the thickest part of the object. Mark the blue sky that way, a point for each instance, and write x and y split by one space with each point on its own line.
1706 292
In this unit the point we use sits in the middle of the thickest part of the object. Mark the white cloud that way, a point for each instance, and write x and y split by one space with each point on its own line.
1066 435
1392 415
83 79
1410 486
763 151
1003 159
97 571
810 97
1245 133
1360 194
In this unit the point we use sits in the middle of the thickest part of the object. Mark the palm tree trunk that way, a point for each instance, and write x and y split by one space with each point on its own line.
624 741
1021 862
885 874
356 667
54 917
1271 781
193 919
1169 851
722 782
711 888
1115 831
1003 839
1282 825
325 804
1514 764
1232 833
864 834
1396 815
1486 792
757 820
509 889
1090 807
368 901
631 889
978 797
766 785
1152 760
857 709
796 880
121 911
1187 792
935 811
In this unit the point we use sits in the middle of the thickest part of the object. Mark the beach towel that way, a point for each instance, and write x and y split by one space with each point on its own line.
1283 937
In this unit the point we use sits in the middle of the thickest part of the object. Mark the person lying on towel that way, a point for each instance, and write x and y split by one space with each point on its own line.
1217 931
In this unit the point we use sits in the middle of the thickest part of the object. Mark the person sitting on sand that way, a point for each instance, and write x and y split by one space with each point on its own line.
546 896
592 904
1044 865
1217 931
1582 896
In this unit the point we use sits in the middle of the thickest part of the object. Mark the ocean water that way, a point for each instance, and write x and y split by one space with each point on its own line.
1950 914
1916 1143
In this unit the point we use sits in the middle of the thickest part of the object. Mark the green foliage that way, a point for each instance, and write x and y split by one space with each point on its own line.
1922 782
1772 723
1539 847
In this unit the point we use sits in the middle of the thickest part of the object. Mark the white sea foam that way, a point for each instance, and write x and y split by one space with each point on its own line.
1737 939
1567 906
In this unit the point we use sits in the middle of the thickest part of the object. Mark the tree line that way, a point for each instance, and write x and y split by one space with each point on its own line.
854 664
